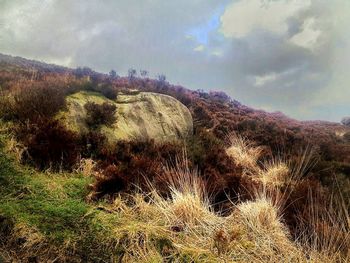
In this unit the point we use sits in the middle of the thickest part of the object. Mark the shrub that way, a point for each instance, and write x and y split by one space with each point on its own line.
83 72
36 102
113 74
108 91
49 145
91 144
132 73
347 137
100 114
111 181
6 107
133 163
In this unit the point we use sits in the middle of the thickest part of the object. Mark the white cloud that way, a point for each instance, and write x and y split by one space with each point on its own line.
217 53
308 37
265 79
199 48
242 17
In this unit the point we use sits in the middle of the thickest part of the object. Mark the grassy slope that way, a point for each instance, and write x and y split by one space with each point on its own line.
46 213
45 217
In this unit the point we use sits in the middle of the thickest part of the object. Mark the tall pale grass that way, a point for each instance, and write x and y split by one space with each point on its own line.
327 232
86 166
183 226
243 152
188 203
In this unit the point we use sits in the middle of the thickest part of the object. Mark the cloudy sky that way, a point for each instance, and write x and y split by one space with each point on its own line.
279 55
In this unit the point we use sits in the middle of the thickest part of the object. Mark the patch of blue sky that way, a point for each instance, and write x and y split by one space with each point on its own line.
202 33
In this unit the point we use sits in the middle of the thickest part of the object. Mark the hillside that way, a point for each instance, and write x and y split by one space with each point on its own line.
99 168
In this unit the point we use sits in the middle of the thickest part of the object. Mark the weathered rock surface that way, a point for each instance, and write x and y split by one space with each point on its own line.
140 116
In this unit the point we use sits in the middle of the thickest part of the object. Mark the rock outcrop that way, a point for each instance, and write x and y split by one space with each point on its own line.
140 116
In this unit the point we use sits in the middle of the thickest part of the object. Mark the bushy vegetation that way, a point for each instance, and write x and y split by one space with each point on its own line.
49 145
347 137
99 114
33 102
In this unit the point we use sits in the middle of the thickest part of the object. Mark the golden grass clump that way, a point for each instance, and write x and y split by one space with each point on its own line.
243 152
188 204
262 220
183 227
275 173
86 166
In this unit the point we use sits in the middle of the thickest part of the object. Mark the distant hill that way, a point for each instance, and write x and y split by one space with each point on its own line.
12 62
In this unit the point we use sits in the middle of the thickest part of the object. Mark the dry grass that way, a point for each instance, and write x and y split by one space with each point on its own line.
243 152
327 234
191 231
183 226
188 203
15 149
274 173
270 236
325 239
87 167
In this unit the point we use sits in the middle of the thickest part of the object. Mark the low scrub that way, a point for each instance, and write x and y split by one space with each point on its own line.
49 145
34 102
100 114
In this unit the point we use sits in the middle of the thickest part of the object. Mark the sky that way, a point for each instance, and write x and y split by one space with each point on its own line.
291 56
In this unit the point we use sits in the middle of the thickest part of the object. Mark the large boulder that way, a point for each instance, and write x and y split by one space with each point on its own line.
140 116
346 121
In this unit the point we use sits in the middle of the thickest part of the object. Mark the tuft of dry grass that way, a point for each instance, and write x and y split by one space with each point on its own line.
274 173
15 148
188 204
263 237
86 166
243 152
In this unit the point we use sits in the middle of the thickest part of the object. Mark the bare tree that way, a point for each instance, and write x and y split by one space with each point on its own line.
132 74
113 74
143 73
161 78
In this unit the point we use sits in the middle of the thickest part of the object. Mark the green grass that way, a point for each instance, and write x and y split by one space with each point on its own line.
49 202
52 206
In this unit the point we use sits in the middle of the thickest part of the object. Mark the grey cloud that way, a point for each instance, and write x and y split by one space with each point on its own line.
151 34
